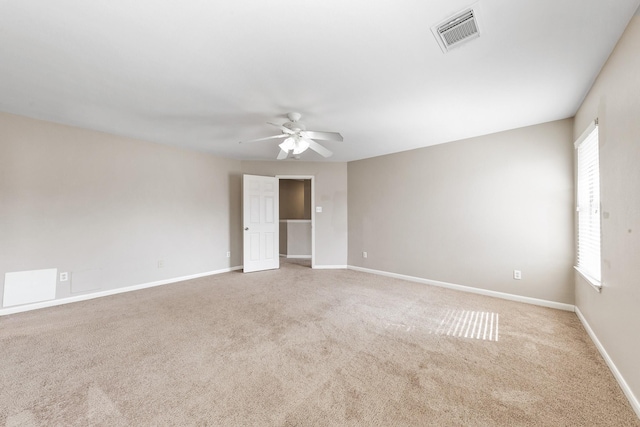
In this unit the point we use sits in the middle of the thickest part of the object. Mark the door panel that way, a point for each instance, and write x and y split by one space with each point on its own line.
260 223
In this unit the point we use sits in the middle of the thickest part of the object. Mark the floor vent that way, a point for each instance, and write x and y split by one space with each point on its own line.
457 30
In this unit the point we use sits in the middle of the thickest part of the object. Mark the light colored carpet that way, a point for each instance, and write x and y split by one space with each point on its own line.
299 261
303 347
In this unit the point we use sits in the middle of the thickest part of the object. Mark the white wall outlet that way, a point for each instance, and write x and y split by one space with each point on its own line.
364 254
161 263
64 277
517 274
228 254
319 209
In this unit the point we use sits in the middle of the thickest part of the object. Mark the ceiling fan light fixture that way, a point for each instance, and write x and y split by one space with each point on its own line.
288 144
300 146
295 144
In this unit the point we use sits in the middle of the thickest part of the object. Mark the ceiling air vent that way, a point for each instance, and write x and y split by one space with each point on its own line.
457 30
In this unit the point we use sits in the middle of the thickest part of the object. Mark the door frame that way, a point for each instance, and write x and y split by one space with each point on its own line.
313 211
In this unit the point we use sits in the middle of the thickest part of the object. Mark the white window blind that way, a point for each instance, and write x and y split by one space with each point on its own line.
588 205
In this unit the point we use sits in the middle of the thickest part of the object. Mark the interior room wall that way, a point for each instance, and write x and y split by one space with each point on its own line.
113 210
470 212
283 243
292 199
307 199
614 314
330 181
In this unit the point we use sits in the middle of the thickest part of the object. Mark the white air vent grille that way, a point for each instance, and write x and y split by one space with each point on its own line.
457 29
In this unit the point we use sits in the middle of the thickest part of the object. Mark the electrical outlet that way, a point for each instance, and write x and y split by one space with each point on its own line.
228 254
64 277
161 263
364 254
517 274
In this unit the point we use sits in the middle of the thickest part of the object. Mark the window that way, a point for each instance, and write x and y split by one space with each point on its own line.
588 205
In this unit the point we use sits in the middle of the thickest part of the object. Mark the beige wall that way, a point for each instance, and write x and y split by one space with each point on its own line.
470 212
292 199
111 208
614 314
330 180
84 201
282 233
307 199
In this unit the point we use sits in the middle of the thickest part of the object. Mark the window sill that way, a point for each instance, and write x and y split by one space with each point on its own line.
595 284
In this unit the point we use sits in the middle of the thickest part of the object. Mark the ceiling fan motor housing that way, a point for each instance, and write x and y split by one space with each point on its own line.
294 117
295 126
293 122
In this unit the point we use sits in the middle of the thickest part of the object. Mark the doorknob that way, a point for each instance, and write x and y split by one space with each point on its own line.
246 228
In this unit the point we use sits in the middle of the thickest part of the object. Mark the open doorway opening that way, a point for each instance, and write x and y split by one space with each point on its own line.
297 237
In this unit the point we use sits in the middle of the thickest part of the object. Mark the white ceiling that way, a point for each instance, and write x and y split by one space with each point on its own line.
206 74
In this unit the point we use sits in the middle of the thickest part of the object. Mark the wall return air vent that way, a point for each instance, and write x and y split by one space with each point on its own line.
457 29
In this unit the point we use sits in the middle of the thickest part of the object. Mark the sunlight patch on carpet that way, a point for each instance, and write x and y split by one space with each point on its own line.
480 325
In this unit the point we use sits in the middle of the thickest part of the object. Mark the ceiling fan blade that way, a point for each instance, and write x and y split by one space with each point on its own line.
282 128
326 136
264 139
282 155
318 148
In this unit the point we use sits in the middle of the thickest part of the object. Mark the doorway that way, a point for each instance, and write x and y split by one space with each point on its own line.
297 219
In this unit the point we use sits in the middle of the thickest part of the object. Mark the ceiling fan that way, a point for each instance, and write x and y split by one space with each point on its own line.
298 139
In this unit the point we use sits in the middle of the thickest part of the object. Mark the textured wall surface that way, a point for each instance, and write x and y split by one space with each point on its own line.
614 314
122 211
470 212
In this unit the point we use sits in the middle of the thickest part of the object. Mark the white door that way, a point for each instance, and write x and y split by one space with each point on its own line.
261 221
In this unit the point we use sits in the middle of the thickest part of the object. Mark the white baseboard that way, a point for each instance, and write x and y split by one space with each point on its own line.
77 298
503 295
633 400
298 256
330 267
